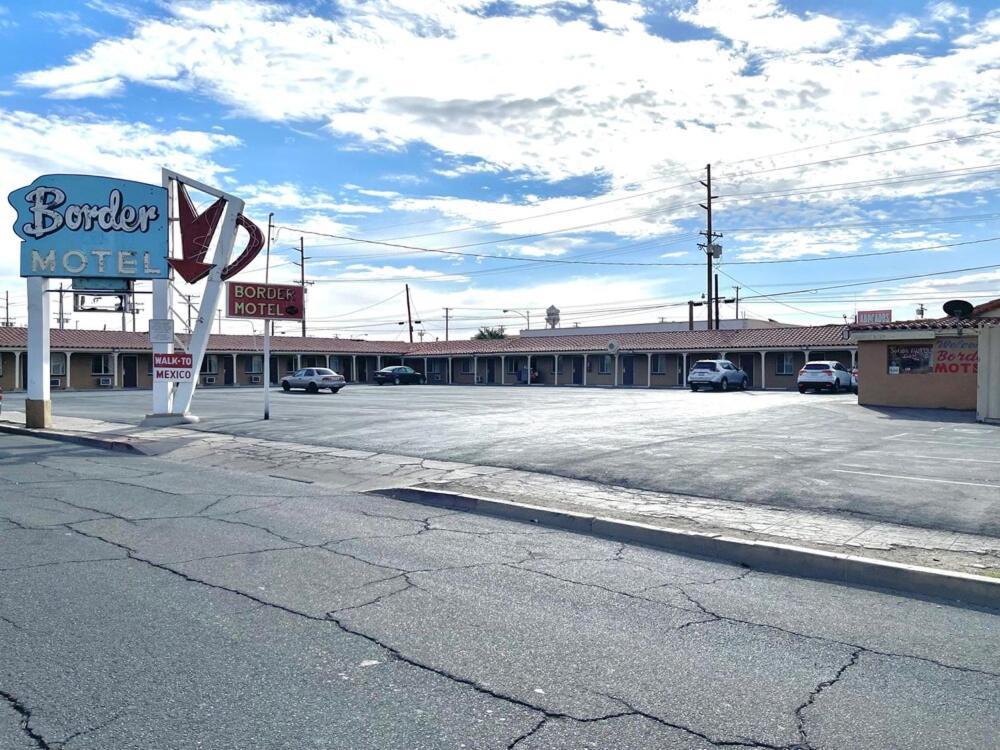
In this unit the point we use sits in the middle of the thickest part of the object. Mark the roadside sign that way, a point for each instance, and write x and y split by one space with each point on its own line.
868 317
82 226
173 368
101 285
161 331
267 301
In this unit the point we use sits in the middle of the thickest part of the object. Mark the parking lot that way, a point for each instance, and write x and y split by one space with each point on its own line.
934 469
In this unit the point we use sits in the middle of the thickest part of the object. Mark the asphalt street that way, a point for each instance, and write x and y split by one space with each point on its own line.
926 468
146 605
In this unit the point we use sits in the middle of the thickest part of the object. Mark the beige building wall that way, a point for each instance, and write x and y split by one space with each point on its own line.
667 378
988 383
927 390
545 364
594 374
774 380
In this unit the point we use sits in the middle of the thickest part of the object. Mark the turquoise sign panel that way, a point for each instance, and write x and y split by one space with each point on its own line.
81 226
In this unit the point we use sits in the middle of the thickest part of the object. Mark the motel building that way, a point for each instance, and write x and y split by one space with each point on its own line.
656 355
944 363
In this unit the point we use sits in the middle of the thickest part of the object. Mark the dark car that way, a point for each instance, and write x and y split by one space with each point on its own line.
399 375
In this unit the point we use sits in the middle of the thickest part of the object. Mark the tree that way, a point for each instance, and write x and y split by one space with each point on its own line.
490 333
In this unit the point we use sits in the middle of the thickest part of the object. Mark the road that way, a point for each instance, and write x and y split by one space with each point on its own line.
145 605
933 469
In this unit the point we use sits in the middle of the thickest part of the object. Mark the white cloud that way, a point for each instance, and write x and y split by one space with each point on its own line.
946 12
287 195
765 24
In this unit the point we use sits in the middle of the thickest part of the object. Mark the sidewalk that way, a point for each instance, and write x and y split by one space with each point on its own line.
364 471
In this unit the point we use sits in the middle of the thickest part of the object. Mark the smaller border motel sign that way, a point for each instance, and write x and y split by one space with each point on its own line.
173 368
267 301
873 317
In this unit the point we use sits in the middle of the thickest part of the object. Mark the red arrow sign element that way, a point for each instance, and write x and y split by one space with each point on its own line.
253 247
197 231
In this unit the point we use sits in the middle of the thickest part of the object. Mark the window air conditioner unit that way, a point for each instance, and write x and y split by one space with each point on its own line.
209 380
255 379
55 382
105 382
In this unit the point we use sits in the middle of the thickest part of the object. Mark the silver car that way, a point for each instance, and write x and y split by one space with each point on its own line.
313 379
720 374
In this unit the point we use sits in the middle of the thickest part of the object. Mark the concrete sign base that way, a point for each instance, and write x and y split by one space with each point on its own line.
38 413
168 420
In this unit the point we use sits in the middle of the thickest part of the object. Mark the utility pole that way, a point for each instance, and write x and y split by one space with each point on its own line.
219 318
709 244
921 310
6 317
737 302
62 317
302 277
717 301
447 310
409 315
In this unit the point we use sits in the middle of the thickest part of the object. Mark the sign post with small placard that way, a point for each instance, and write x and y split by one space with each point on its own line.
266 302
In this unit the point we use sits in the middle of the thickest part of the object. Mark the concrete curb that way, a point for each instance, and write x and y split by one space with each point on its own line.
784 559
105 443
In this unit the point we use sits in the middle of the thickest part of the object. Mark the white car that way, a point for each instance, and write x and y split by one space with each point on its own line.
313 379
720 374
824 374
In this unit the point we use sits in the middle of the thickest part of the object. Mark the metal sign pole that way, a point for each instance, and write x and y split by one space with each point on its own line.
267 369
209 301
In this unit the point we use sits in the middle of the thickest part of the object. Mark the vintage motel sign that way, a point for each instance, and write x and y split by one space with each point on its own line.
87 227
268 301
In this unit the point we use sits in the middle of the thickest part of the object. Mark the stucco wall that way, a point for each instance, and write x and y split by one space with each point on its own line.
783 381
927 390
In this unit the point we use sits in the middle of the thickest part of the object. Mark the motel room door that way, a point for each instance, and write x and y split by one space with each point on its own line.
491 373
577 370
130 371
628 369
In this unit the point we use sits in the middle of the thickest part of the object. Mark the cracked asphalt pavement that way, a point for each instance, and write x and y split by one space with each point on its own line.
146 605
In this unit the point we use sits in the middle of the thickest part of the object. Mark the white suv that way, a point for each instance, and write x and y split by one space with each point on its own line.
824 374
720 374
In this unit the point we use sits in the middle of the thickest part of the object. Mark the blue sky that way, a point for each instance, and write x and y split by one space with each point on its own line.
565 137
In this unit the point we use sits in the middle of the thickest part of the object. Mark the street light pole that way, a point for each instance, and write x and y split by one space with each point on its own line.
526 315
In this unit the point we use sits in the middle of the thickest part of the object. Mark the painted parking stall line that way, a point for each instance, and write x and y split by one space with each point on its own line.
916 479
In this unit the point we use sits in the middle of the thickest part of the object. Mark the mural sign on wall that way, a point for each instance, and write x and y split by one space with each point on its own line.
956 356
86 227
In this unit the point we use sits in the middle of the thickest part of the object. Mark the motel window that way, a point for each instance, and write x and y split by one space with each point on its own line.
605 367
255 364
100 364
57 365
659 364
210 365
512 364
434 366
785 364
909 360
466 366
314 361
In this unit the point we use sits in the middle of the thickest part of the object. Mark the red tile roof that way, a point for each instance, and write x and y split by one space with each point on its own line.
105 341
797 337
815 337
937 324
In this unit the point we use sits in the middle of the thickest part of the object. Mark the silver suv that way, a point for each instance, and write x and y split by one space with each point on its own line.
312 379
720 374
